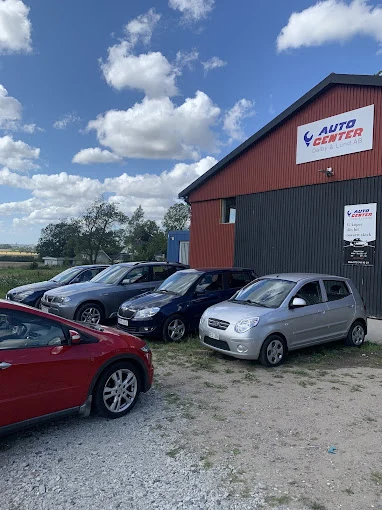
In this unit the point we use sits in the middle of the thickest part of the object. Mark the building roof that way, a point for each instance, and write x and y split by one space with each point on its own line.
333 79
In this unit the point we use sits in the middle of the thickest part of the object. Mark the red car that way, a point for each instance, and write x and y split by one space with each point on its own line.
52 367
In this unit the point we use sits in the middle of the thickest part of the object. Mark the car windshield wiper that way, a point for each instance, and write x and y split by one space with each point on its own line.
249 302
168 291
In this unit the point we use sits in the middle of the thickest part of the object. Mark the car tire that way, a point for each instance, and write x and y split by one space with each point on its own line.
117 390
356 335
273 351
90 312
174 329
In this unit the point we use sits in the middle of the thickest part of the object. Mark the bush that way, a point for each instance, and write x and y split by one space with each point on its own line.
33 265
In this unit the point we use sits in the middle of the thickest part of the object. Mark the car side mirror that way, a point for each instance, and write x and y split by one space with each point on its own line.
298 303
126 281
200 292
75 337
75 280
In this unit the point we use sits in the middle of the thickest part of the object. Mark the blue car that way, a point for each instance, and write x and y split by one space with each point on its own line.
175 308
32 293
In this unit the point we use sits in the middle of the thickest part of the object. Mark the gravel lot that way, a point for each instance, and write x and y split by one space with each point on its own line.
216 433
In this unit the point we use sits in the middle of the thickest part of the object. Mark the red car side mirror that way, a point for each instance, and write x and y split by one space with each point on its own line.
75 337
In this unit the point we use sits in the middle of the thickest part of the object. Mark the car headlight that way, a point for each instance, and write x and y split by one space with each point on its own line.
23 295
146 313
246 324
61 300
203 319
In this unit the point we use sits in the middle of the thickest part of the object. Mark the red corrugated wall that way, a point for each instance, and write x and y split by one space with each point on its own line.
271 164
211 243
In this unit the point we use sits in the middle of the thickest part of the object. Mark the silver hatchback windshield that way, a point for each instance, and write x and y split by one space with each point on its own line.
268 292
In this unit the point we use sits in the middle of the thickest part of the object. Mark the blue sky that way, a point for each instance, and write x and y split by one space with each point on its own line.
137 99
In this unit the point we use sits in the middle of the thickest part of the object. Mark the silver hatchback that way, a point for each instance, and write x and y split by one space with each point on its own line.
280 313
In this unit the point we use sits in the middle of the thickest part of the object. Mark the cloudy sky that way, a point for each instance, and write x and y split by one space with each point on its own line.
136 100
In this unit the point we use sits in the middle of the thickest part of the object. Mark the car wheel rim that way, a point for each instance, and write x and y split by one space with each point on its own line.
176 330
120 390
358 335
275 351
92 315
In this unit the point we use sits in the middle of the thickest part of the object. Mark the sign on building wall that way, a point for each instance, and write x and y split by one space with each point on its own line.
346 133
359 234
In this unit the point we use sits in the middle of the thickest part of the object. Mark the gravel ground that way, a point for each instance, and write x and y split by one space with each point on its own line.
215 433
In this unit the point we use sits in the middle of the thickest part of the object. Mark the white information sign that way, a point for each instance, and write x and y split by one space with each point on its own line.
342 134
360 234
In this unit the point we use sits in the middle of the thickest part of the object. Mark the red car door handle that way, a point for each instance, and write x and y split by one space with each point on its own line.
4 365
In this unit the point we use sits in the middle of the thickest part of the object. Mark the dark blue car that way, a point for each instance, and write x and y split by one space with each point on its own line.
176 306
32 293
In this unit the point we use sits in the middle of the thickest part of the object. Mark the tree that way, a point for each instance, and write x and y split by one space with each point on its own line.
144 237
58 240
98 229
177 217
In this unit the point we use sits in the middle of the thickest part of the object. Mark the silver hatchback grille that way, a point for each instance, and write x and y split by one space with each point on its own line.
218 324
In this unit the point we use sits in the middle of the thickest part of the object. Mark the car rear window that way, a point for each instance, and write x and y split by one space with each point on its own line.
336 289
238 279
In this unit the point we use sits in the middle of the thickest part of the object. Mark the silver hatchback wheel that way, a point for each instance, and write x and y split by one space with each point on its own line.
358 335
275 352
91 314
176 330
120 390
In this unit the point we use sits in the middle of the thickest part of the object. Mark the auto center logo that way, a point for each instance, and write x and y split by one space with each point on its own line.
333 133
360 213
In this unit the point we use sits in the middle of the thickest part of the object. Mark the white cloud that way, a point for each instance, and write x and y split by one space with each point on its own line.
186 59
11 113
141 28
10 109
213 63
234 117
17 155
193 10
95 155
331 21
149 72
63 195
15 27
158 129
65 120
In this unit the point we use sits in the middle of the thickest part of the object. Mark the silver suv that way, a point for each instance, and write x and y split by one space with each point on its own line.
280 313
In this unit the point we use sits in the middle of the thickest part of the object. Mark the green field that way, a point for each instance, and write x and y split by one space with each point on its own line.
13 277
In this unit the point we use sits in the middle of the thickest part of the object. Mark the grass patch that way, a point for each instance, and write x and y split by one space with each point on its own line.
376 477
174 451
278 500
209 384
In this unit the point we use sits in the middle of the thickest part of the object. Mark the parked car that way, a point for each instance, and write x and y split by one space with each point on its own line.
32 293
280 313
358 242
177 305
52 367
101 297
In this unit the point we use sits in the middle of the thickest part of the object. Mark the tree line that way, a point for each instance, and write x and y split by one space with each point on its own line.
103 226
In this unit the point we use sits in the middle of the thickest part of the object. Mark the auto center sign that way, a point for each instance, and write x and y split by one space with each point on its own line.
359 234
342 134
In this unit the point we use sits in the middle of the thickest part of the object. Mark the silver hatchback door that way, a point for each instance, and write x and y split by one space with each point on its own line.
307 325
341 308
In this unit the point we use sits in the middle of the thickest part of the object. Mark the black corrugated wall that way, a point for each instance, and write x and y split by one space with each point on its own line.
301 230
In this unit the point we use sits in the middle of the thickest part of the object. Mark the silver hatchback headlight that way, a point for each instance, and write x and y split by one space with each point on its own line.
246 324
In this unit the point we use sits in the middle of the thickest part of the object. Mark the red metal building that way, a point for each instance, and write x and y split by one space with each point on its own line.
222 218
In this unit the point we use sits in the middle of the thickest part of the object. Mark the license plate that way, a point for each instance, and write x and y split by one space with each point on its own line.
213 335
45 309
123 322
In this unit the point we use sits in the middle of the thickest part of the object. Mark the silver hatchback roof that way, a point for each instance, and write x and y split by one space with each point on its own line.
297 277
